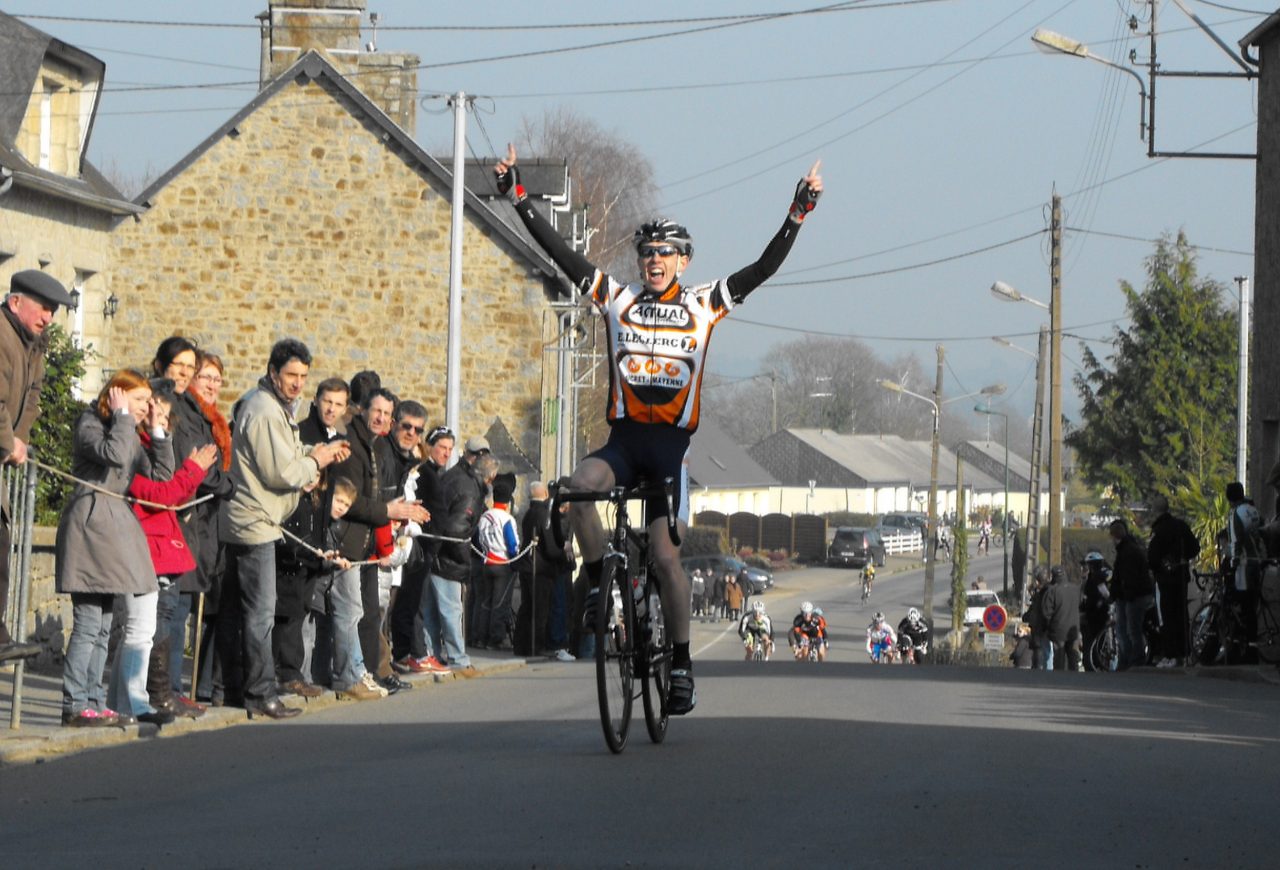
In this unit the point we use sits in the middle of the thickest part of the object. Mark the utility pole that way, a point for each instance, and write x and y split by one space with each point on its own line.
453 353
933 489
1037 463
1055 389
1242 386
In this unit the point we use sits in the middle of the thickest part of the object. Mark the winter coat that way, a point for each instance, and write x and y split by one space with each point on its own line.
463 494
369 510
269 465
536 523
1061 609
200 524
1172 544
170 553
733 593
100 546
21 377
1130 579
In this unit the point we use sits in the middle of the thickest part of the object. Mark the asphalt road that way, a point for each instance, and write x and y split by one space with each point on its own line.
782 764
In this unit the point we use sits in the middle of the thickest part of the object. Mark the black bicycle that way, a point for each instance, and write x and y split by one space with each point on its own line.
631 635
1217 629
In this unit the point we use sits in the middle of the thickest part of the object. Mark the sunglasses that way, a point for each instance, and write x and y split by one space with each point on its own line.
662 251
409 427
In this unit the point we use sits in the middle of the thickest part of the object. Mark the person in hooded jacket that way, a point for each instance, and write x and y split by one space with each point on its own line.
1061 609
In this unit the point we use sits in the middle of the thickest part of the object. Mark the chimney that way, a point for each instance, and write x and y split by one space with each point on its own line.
332 28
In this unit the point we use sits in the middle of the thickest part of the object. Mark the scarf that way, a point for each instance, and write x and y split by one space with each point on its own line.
221 430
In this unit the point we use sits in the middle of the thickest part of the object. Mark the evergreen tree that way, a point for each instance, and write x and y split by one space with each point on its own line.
1160 414
54 430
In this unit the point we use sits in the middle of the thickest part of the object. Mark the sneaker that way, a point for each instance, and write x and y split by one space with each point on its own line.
563 655
433 665
371 683
410 665
1167 663
360 692
682 698
88 718
393 684
589 610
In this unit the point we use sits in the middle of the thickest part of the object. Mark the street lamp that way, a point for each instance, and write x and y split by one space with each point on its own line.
1004 291
1056 43
895 387
1005 520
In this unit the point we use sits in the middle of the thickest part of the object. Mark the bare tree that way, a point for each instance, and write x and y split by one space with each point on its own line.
610 177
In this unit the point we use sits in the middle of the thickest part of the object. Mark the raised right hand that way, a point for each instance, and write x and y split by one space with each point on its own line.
204 456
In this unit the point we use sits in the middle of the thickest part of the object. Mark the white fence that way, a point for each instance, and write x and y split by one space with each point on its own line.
903 542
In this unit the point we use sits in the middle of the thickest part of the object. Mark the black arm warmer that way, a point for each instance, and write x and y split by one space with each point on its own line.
573 264
750 277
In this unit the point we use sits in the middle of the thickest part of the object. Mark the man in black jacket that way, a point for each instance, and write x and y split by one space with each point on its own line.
410 647
463 488
1172 549
1061 609
545 574
1135 594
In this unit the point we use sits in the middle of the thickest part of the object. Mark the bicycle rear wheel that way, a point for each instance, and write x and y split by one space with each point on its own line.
1104 652
615 654
655 678
1268 633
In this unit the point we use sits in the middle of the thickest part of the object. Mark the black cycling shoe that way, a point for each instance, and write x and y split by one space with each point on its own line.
681 698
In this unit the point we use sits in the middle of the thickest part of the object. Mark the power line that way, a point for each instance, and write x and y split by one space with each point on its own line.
909 268
909 338
1128 238
848 6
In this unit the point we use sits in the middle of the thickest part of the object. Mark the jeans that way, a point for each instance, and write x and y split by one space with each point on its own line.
348 658
127 693
178 638
1129 618
86 652
442 620
255 567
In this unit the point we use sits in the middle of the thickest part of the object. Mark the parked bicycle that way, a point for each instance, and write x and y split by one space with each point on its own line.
631 637
1217 630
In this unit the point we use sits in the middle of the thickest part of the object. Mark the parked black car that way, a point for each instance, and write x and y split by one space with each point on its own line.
723 563
853 547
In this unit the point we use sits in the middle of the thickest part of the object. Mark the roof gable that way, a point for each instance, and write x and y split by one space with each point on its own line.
716 460
313 67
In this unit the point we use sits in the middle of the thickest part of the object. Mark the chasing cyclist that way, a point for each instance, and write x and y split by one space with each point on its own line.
756 628
913 637
868 579
658 331
809 628
881 641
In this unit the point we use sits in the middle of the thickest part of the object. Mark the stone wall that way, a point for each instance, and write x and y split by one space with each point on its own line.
306 221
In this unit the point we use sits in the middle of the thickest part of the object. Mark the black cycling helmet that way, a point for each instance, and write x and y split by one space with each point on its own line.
664 230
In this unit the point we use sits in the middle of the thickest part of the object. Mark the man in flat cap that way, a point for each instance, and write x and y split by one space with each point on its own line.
33 299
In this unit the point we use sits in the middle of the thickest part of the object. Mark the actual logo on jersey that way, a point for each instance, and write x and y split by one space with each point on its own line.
657 314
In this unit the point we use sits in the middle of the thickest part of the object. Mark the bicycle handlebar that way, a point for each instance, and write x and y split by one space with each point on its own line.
616 495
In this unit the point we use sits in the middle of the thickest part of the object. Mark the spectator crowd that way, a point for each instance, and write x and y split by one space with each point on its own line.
293 547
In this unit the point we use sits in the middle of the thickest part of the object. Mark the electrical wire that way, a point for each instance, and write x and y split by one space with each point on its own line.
910 338
1129 238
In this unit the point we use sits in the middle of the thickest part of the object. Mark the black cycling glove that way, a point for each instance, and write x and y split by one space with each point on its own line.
805 200
509 184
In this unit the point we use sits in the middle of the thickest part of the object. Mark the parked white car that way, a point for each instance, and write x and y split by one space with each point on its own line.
976 601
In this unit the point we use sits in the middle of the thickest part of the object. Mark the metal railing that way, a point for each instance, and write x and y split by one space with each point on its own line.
18 489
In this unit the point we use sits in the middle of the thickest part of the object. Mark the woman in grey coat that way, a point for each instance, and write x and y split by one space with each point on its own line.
102 552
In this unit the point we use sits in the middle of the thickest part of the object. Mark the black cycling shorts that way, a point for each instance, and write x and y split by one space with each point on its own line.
649 453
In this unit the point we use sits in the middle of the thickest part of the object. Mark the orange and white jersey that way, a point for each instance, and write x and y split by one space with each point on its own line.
658 347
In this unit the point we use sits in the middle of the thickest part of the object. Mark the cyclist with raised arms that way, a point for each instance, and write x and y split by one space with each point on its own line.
658 331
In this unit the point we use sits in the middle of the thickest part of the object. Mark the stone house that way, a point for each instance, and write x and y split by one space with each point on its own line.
313 213
56 209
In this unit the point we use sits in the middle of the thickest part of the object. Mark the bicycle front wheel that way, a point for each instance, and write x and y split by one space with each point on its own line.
615 654
1204 635
655 678
1268 633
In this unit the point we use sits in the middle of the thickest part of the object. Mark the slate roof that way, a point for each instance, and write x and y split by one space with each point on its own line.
715 460
22 50
1019 466
890 460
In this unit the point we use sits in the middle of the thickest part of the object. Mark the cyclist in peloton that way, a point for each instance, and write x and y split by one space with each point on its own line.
756 627
658 330
868 576
881 641
913 635
808 628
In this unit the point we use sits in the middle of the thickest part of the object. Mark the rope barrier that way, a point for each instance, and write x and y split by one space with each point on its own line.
125 498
